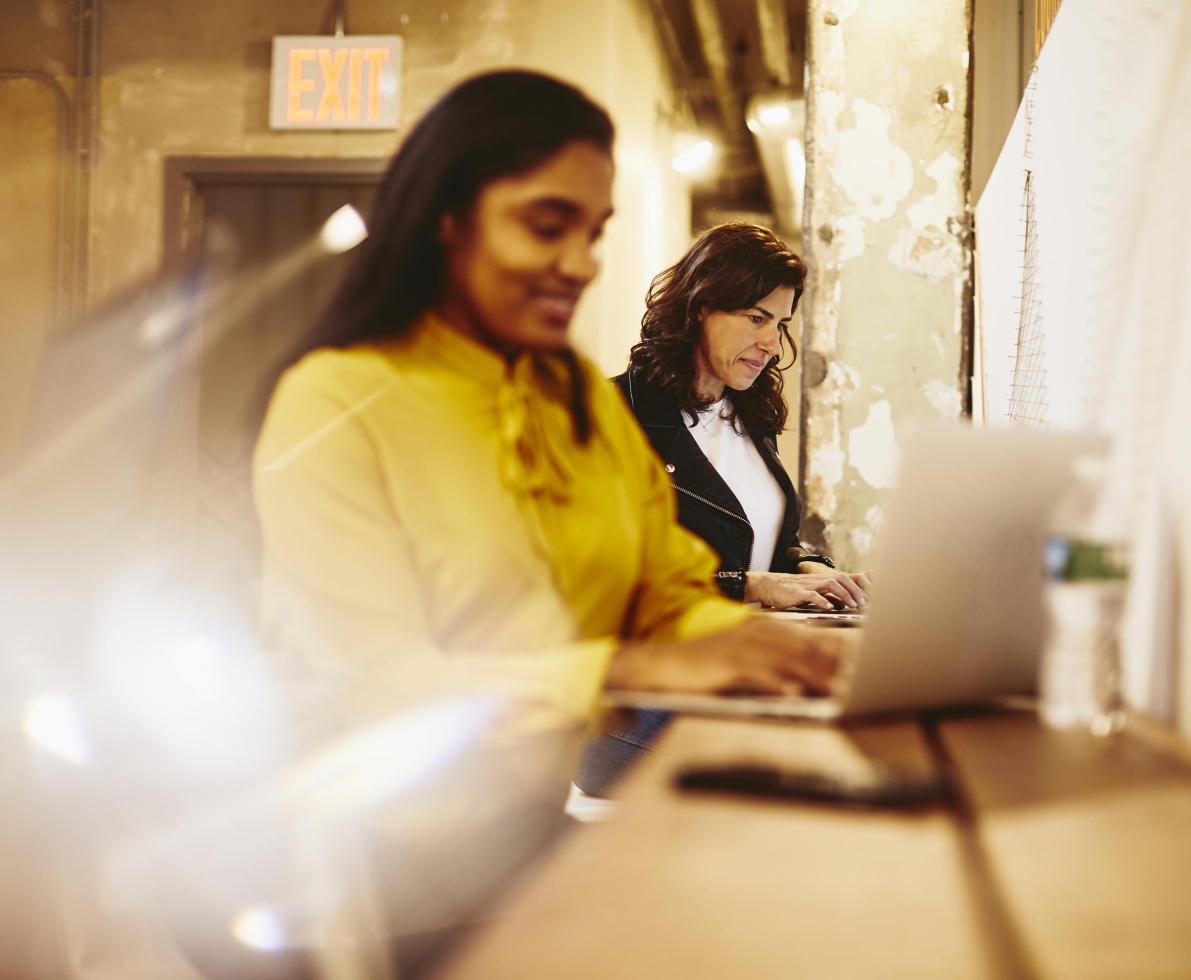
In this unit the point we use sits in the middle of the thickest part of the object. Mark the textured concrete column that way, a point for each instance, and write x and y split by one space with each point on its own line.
889 247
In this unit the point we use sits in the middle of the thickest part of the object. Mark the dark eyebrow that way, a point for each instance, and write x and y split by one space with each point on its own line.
561 205
552 204
785 319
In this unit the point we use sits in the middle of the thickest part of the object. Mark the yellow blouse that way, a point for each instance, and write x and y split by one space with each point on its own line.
429 520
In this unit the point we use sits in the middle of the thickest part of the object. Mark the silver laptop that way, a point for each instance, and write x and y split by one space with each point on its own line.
957 615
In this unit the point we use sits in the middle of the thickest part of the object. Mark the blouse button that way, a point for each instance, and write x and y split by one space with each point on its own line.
669 467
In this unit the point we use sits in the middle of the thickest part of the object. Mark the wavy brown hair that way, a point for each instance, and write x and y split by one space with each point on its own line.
729 267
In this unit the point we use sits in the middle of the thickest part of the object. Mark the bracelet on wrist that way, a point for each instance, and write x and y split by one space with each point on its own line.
732 583
818 559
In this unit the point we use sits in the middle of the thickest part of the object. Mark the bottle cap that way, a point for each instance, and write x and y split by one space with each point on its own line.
1071 559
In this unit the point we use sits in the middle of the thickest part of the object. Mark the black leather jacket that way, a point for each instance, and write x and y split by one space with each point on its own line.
706 505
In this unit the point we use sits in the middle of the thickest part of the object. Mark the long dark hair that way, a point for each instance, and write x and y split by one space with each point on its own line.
494 125
729 267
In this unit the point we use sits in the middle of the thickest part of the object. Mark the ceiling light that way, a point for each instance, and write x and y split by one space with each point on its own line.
693 156
775 114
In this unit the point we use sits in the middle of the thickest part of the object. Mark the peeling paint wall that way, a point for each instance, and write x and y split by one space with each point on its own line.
887 238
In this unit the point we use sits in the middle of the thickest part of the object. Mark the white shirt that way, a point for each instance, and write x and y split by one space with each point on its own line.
740 465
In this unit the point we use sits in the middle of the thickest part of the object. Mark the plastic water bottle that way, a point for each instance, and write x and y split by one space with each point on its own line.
1080 681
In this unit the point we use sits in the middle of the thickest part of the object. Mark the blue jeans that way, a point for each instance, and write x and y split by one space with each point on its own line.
611 754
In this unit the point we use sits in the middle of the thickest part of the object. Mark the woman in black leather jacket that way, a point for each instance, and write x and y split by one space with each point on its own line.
706 385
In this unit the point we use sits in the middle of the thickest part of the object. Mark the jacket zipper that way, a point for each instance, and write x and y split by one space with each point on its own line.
723 510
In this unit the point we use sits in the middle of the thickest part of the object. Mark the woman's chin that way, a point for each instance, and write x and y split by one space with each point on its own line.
547 336
533 335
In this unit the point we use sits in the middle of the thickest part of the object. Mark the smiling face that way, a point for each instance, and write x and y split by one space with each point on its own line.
735 346
519 263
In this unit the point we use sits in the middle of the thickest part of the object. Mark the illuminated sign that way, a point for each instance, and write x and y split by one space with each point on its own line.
322 82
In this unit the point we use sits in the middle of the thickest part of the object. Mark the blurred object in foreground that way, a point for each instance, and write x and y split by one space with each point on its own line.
179 801
1080 680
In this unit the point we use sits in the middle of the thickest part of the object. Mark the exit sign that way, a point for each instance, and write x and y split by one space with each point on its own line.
322 82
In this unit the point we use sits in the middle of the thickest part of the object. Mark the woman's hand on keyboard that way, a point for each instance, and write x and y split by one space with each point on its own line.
824 588
760 656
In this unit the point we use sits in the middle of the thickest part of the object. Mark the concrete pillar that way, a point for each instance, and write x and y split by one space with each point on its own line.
887 236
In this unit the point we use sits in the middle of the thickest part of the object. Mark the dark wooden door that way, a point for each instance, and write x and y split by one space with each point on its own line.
270 281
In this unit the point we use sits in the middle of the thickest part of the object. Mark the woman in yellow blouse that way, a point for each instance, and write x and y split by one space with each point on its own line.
449 495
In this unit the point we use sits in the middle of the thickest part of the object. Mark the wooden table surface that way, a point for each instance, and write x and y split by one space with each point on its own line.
1065 856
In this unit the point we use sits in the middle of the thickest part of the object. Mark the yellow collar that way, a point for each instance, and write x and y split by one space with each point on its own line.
433 339
534 456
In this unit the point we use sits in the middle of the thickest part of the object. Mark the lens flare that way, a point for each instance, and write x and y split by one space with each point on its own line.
343 230
51 722
259 927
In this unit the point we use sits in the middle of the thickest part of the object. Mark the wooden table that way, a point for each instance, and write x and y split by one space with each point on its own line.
1066 856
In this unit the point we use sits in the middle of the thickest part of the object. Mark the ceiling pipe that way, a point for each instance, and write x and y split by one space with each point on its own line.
715 53
780 147
679 114
773 22
88 16
780 144
676 65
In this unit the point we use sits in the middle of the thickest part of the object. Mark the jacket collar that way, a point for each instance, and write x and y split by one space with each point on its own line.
653 407
667 428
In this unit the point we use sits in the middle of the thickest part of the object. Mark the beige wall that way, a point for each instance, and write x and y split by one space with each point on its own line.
996 82
887 236
180 78
614 56
29 221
